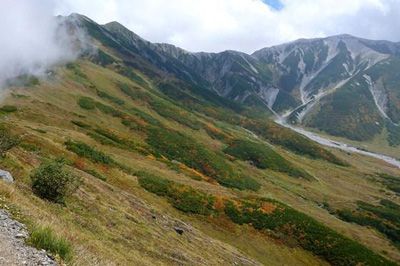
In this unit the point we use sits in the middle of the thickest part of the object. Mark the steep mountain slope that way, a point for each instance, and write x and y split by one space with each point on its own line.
332 79
291 79
174 173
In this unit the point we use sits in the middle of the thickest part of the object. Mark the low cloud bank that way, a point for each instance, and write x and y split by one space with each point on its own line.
32 40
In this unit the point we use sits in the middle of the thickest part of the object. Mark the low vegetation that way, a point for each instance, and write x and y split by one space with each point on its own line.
393 134
45 238
182 197
176 146
264 214
52 181
7 140
347 108
86 151
291 140
390 181
87 103
263 157
110 97
385 218
267 215
8 109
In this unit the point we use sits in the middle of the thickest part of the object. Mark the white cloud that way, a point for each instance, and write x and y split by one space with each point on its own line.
27 33
246 25
28 40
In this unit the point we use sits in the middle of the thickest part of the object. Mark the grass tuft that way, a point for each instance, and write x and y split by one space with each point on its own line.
44 238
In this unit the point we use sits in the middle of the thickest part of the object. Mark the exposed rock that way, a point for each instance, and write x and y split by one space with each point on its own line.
179 230
6 176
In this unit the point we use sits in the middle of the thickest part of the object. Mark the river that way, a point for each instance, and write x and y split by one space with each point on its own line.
339 145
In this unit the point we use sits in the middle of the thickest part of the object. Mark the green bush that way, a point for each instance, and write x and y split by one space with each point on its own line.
129 73
96 174
290 140
80 124
76 70
182 197
7 141
84 150
263 157
309 233
109 97
52 181
108 110
45 238
135 93
391 182
90 104
102 58
87 103
384 218
106 137
176 146
162 107
8 109
265 215
393 134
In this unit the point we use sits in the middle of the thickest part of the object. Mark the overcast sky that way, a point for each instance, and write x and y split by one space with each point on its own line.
245 25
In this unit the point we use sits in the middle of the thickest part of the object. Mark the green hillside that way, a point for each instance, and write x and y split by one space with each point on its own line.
155 170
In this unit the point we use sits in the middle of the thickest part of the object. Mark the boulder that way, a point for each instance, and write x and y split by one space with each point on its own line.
6 176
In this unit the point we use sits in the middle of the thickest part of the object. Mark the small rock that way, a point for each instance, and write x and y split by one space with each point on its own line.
20 235
6 176
179 230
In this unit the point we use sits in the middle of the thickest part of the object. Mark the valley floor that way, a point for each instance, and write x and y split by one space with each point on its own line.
340 145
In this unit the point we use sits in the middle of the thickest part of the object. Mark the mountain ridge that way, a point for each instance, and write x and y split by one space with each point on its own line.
295 80
171 158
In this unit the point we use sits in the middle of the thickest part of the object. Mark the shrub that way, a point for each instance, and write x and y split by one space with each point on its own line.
95 174
393 134
264 215
87 103
108 110
176 146
53 182
109 97
391 182
384 218
84 150
182 197
8 109
263 157
45 238
291 140
161 106
80 124
7 141
76 69
309 233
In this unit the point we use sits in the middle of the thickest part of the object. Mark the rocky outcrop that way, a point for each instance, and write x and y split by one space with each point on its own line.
6 176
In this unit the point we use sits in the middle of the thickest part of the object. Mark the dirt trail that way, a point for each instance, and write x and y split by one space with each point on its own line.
13 250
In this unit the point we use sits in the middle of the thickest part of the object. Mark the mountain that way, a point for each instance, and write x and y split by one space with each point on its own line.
161 156
343 85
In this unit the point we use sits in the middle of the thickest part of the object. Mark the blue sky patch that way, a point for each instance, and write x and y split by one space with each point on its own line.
275 4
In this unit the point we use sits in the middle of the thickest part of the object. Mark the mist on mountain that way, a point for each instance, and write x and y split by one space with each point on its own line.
32 39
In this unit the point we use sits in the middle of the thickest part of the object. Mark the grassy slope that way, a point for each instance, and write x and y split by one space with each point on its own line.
116 216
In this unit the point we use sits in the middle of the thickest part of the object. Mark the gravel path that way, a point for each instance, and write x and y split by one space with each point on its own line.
13 250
